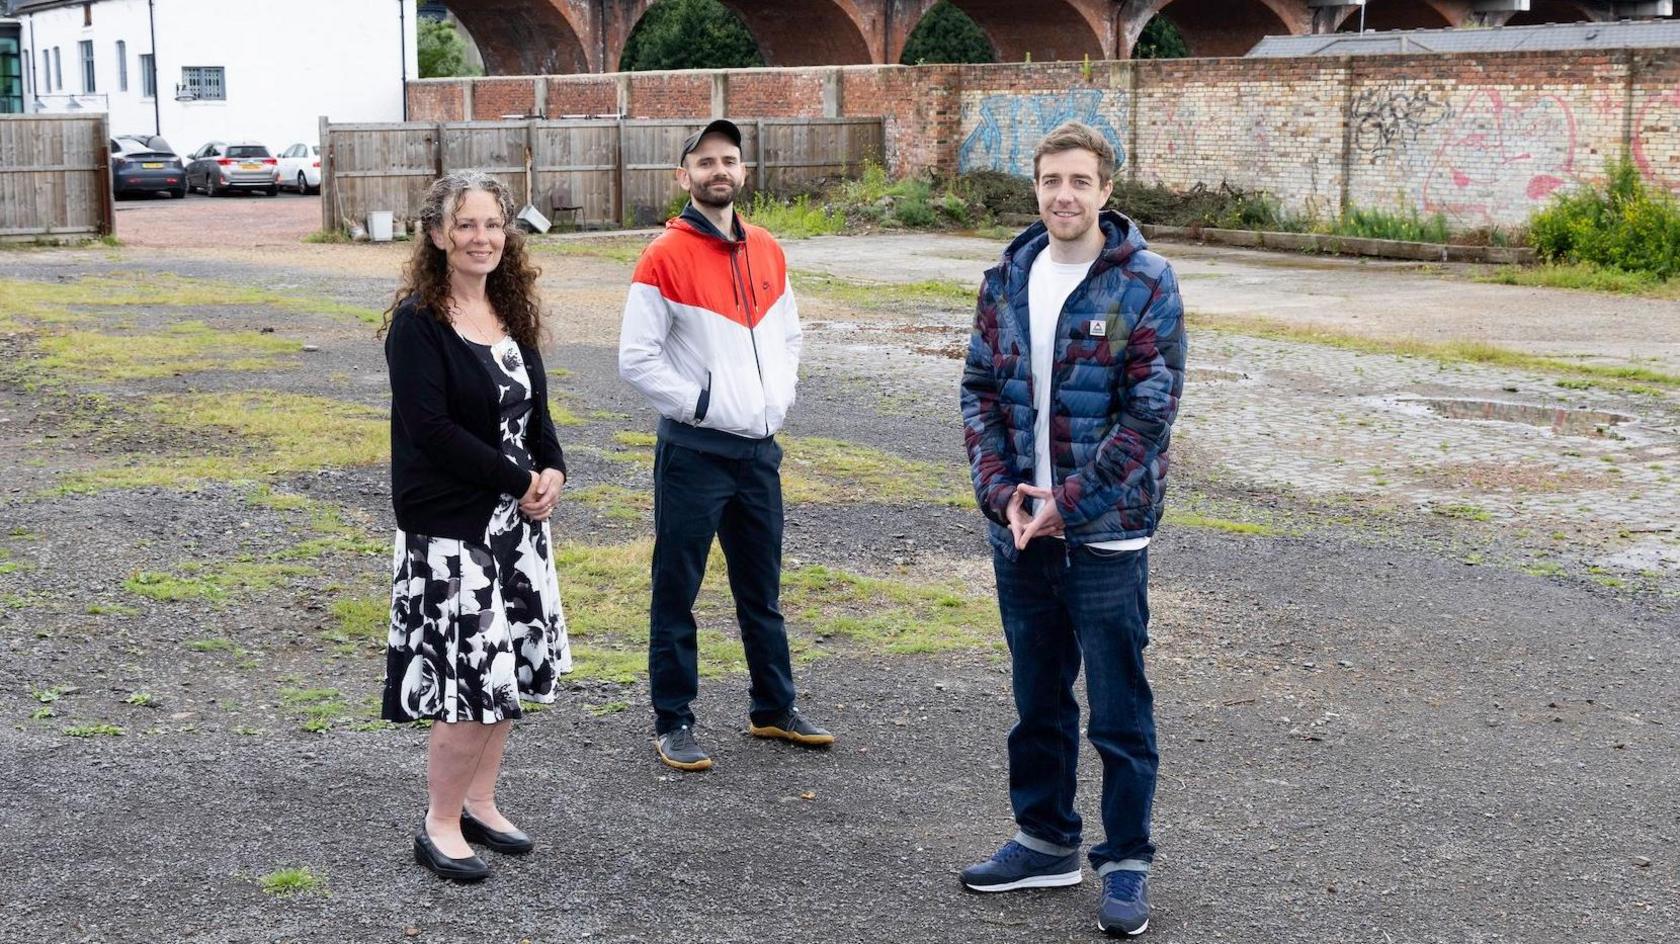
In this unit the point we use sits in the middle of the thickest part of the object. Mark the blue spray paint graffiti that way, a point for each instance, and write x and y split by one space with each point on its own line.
1008 127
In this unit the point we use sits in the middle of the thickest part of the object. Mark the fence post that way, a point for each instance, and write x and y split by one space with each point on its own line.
762 156
329 181
618 175
530 160
108 199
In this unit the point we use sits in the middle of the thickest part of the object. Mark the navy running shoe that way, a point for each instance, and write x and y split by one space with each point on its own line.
1125 904
1015 866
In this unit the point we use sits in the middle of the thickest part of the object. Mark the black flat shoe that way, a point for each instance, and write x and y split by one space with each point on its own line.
469 869
513 842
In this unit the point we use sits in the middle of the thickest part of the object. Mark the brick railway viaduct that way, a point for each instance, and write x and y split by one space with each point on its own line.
537 37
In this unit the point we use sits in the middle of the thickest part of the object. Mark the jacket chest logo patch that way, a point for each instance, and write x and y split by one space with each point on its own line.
1097 328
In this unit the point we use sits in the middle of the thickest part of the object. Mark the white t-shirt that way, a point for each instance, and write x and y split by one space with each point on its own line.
1048 288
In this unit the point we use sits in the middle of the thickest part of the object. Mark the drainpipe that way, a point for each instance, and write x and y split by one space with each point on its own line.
402 50
157 109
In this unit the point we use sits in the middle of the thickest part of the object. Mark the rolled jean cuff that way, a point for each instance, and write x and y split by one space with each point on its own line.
1047 848
1126 865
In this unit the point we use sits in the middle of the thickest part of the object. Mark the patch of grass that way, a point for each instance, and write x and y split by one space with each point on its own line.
616 501
47 696
38 301
1407 225
142 699
215 583
112 609
608 708
625 250
212 644
288 433
607 593
798 218
42 713
885 296
328 237
182 348
1189 519
360 623
830 471
318 708
1453 352
246 730
1463 512
287 882
561 413
1544 569
93 731
1581 276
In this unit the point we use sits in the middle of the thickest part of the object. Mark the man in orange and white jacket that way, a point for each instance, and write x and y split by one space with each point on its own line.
711 338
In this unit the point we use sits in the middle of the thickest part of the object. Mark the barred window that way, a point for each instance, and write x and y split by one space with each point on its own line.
205 83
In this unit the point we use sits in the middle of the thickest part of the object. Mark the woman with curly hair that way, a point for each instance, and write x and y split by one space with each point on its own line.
476 468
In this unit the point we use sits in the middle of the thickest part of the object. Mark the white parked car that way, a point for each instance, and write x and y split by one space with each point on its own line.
300 168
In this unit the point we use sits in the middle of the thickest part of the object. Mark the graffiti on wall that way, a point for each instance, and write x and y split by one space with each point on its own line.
1003 128
1498 160
1660 113
1385 119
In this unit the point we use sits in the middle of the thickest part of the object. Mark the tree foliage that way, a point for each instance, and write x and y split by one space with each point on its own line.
1161 40
442 51
689 34
946 34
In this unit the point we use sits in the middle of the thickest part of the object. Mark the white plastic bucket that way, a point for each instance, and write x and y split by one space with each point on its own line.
380 223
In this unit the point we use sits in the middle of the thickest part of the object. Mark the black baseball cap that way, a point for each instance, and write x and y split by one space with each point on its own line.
721 126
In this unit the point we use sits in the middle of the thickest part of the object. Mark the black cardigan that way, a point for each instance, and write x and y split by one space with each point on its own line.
447 467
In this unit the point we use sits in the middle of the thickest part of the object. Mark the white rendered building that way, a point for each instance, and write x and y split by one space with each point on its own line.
202 70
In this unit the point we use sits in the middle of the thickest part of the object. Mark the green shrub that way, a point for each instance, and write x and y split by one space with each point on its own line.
1623 224
797 219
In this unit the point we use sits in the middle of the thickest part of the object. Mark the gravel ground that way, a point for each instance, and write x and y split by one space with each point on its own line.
1363 738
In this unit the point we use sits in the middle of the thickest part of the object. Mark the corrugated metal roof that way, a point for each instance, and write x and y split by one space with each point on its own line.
1622 35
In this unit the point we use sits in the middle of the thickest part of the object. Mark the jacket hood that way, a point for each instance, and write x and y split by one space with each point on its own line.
693 221
1122 239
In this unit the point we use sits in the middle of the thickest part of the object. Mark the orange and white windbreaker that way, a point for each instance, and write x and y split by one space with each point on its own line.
711 330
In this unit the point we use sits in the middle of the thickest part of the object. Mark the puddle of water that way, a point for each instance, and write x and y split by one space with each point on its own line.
1562 421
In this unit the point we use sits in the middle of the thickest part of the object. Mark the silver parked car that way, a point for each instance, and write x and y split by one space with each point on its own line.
218 167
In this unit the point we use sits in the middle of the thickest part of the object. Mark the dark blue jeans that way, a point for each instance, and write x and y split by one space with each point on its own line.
696 496
1060 606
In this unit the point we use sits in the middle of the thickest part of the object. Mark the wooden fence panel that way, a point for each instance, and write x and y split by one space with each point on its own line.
497 148
377 167
55 176
589 173
575 168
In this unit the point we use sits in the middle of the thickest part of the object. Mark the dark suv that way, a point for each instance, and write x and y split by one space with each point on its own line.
145 164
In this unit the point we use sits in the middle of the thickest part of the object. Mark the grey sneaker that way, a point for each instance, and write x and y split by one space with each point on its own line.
792 726
678 748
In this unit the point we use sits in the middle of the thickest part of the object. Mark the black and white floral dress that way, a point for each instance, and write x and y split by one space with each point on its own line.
477 625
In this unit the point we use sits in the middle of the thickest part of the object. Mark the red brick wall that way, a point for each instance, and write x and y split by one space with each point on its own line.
435 100
1483 139
778 93
493 98
582 95
670 94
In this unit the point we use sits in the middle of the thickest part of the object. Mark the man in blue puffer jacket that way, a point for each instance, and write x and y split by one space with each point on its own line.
1075 368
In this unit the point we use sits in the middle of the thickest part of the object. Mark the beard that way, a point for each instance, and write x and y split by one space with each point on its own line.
717 199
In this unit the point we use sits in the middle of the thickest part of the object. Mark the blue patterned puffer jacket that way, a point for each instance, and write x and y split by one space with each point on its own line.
1118 374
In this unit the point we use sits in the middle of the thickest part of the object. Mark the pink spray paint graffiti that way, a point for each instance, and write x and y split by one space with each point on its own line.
1499 161
1652 116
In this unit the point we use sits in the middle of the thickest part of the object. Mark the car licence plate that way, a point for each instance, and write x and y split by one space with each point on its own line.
154 165
250 165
